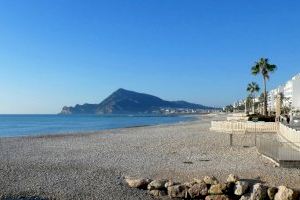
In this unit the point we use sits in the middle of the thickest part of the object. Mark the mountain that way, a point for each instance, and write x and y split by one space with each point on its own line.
124 102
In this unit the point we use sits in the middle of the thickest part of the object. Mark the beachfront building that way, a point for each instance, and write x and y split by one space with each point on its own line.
238 103
239 106
272 98
291 94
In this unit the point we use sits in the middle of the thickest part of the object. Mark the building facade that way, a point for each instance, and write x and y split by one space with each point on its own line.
290 92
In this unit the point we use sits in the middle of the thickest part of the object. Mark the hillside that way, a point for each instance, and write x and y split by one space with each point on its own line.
124 101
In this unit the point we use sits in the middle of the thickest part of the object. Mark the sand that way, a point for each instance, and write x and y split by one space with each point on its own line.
88 166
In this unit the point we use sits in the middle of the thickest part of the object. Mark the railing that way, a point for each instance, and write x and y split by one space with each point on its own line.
268 147
237 117
232 118
283 153
243 127
283 147
289 134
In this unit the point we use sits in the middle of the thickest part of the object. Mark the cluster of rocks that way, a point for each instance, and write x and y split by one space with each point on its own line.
209 188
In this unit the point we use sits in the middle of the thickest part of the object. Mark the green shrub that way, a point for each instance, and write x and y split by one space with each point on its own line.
262 118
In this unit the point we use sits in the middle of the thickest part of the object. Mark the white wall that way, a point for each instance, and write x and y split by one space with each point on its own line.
296 92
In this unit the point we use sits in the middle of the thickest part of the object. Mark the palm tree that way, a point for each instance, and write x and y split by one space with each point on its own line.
252 88
264 68
261 100
284 102
249 101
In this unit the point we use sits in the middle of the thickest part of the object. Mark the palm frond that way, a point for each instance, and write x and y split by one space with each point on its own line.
253 87
271 67
255 69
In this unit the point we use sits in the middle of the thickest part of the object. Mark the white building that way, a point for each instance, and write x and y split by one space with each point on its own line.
238 103
272 97
256 100
291 93
295 102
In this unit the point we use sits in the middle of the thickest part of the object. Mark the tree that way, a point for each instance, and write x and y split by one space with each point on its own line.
229 108
261 100
249 101
285 105
252 88
264 68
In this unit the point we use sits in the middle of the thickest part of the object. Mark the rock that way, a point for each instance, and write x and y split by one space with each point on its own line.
157 185
259 192
198 190
210 180
219 188
230 188
245 197
285 193
138 183
170 183
178 191
217 197
158 193
232 178
240 188
271 192
189 184
198 180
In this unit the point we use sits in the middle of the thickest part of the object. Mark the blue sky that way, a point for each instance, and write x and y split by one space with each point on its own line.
63 52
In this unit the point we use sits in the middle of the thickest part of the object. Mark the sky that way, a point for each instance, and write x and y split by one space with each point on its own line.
65 52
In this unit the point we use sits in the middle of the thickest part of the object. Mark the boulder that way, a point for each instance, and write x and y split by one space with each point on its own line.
189 184
178 191
158 193
210 180
198 190
271 192
199 180
259 192
232 178
285 193
230 188
138 183
219 188
217 197
157 185
170 183
245 197
240 188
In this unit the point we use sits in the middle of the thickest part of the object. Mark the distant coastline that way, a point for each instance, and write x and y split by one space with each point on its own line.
129 102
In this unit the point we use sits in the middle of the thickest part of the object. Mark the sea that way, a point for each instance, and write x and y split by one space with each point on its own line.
33 125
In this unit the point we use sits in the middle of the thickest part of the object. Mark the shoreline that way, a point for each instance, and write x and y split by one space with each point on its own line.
74 133
91 133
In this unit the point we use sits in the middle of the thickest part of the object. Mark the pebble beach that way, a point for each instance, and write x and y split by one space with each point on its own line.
90 165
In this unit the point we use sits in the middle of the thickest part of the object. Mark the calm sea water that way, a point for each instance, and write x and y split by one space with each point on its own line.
24 125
